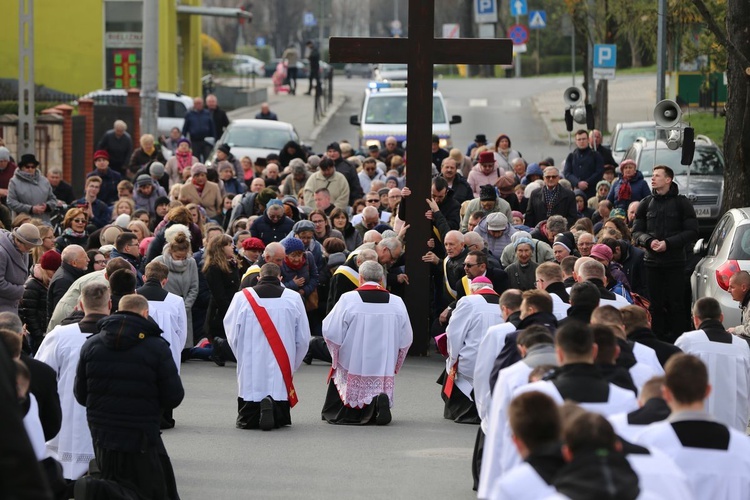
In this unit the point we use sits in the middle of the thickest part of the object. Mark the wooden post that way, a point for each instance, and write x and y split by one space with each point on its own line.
134 101
86 109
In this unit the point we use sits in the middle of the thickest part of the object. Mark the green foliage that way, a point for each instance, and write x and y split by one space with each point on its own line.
549 64
221 64
11 107
705 123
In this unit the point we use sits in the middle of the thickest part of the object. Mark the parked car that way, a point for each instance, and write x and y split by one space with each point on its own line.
706 174
391 72
724 253
626 133
246 65
255 138
172 107
358 69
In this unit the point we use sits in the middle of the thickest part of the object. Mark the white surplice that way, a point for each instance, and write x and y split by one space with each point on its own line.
33 426
258 372
521 483
559 308
368 342
468 324
711 473
728 373
659 474
171 317
72 447
490 347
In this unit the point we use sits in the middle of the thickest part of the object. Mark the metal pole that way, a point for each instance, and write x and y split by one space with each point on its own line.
150 75
26 77
517 57
573 55
661 50
590 63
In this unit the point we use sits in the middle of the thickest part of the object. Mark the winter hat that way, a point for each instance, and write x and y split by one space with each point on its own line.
521 241
497 221
580 193
618 213
144 180
4 154
198 168
391 178
162 200
487 193
225 148
100 153
336 259
266 195
122 221
602 183
184 139
566 240
289 200
518 235
292 245
333 146
383 191
601 251
313 161
156 169
534 169
486 157
253 244
109 234
50 260
172 231
225 165
273 202
505 185
516 213
297 162
28 234
302 226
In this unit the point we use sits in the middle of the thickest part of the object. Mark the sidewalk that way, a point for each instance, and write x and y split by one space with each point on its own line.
295 109
631 99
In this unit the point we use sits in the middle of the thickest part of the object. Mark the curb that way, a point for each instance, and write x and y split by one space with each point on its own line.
337 103
555 140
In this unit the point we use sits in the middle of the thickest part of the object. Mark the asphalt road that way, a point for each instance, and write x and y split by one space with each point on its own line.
419 455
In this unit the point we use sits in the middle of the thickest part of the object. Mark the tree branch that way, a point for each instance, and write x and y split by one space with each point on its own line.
720 35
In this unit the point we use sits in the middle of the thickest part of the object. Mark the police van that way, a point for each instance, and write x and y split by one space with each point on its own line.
383 114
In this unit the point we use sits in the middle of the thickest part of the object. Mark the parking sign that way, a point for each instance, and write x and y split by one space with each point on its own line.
605 56
485 11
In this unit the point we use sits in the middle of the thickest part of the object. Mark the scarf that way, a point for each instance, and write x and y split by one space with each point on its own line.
184 160
178 266
198 187
624 193
550 198
70 232
149 152
295 267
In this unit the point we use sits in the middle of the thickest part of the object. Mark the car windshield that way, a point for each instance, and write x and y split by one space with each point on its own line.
707 161
171 109
254 137
627 136
391 110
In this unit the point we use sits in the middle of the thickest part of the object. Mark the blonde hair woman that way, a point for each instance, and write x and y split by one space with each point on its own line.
123 206
140 229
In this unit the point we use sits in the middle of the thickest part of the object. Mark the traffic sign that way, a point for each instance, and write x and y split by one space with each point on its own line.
605 56
451 31
260 41
308 20
519 34
518 7
485 11
604 73
537 19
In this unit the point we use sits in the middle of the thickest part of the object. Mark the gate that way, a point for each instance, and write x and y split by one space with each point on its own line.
105 116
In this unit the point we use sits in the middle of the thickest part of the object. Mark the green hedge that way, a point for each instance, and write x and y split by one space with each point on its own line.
11 107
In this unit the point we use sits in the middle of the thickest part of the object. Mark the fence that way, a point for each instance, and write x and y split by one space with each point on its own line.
323 97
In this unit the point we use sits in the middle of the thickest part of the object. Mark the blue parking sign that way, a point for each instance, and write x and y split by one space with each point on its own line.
605 56
485 11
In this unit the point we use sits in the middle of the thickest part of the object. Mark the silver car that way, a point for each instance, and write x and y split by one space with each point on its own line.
255 138
724 253
626 133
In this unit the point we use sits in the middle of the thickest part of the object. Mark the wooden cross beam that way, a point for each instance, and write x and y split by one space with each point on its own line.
420 51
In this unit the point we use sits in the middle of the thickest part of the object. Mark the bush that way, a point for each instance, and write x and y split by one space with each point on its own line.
11 107
222 64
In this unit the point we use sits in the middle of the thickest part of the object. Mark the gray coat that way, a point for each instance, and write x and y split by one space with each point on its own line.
183 282
14 267
25 191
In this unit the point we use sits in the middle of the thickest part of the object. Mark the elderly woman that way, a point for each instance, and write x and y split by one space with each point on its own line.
144 155
201 191
522 273
182 159
74 232
29 191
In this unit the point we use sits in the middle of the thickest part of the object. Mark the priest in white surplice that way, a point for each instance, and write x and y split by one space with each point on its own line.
168 311
61 349
368 334
268 330
727 358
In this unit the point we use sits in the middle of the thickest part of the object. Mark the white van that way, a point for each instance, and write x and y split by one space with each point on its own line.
383 114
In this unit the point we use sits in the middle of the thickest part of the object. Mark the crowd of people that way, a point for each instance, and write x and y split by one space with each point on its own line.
548 284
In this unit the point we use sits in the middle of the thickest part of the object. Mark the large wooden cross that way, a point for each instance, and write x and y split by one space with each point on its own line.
420 51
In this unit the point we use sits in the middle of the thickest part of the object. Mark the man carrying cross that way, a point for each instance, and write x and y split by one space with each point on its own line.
420 51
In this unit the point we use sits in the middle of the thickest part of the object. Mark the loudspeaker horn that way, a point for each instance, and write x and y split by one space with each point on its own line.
673 140
667 113
572 96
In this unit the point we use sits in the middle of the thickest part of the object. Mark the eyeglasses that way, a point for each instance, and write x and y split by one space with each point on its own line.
551 176
469 266
28 167
79 221
376 200
101 262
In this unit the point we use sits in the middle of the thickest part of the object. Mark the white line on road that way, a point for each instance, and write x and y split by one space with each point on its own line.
478 103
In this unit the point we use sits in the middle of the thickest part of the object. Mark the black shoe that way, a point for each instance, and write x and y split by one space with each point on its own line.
83 489
215 353
307 359
184 355
266 422
308 93
382 409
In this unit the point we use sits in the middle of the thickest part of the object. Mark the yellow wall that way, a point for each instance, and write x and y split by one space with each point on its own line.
68 39
69 46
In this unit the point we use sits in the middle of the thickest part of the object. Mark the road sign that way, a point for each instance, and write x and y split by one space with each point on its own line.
260 42
485 11
308 19
519 34
451 31
605 56
537 19
518 7
520 49
604 73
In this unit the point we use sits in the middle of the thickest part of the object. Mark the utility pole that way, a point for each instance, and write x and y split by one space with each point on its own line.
591 90
26 117
150 74
661 50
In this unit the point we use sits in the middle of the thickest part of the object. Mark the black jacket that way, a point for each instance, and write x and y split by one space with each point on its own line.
498 277
461 190
64 240
352 178
33 309
509 354
223 286
59 284
558 289
577 313
64 192
268 231
565 205
633 267
450 213
663 350
44 388
669 217
584 165
126 378
597 475
221 121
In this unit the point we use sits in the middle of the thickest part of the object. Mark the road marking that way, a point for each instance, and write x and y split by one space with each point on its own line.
511 103
477 103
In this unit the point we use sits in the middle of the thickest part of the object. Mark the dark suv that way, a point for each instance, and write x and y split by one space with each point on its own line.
704 186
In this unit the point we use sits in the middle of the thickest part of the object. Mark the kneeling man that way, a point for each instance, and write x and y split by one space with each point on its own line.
268 331
368 334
